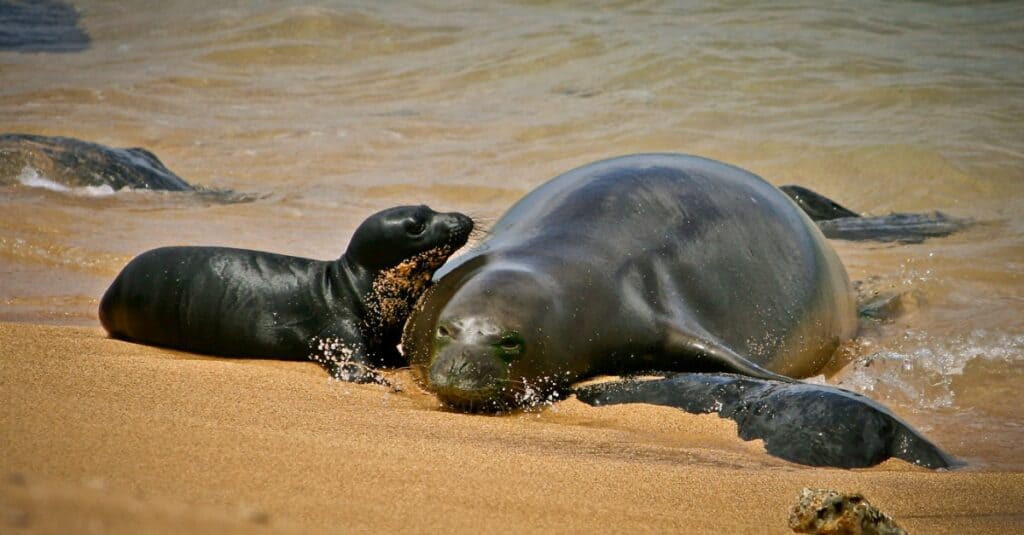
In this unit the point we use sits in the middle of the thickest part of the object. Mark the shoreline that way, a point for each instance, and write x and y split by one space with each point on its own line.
130 437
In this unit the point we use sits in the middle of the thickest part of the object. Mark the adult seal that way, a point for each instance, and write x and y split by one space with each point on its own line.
645 262
237 302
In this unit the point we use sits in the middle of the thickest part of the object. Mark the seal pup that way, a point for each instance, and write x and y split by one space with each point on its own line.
646 262
244 303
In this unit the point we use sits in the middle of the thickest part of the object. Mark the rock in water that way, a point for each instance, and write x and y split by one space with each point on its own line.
41 26
75 163
827 512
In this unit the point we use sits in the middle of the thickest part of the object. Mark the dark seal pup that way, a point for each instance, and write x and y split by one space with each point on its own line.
646 262
236 302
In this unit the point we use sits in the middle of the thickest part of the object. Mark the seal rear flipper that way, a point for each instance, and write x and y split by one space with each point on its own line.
716 356
816 205
840 223
903 228
815 425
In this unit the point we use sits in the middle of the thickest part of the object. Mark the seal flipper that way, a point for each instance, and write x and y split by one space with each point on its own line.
354 372
344 361
681 342
840 223
903 228
816 205
809 424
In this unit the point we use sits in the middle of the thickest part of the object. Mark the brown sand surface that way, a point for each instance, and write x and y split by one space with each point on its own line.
98 435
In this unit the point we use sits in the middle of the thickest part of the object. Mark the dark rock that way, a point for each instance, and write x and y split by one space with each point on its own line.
76 163
40 26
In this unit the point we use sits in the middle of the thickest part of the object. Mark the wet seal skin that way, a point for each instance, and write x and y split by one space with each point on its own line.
346 314
649 262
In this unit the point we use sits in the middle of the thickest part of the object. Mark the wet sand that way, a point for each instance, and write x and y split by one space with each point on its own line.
106 436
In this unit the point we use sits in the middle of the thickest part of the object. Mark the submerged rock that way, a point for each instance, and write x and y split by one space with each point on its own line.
827 512
41 26
66 164
75 163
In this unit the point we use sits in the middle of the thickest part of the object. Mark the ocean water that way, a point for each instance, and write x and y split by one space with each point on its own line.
328 111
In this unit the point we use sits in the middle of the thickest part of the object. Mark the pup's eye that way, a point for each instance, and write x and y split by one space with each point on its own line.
415 228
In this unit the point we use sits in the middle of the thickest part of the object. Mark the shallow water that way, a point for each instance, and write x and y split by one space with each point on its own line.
328 111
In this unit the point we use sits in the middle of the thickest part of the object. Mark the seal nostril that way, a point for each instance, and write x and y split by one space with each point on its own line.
443 331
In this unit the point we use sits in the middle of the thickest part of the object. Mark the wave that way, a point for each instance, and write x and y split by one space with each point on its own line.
31 177
932 372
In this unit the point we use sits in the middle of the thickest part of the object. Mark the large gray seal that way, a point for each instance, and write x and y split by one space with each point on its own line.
238 302
645 262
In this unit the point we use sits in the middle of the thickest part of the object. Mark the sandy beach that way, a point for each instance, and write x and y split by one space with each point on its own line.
310 115
105 436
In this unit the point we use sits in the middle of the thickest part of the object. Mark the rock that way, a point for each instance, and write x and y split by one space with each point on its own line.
41 26
828 512
75 163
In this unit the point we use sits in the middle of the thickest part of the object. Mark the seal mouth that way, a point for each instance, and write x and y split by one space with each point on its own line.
468 378
480 401
511 396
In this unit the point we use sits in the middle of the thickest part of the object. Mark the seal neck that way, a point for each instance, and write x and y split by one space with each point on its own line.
347 277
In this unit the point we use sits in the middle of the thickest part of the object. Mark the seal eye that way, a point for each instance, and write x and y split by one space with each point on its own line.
511 344
415 228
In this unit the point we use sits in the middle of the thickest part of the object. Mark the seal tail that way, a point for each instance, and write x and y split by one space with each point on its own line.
840 223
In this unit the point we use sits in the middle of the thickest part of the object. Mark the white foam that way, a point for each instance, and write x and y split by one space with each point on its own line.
99 191
924 374
32 178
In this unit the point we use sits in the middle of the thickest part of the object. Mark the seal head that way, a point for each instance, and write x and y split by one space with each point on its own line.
490 347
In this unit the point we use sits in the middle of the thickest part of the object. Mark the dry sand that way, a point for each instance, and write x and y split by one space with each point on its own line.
98 435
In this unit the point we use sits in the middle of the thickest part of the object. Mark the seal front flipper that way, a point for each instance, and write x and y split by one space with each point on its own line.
355 372
706 353
816 425
345 363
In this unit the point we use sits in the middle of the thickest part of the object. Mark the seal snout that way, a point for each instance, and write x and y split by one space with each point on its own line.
466 370
459 227
459 373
